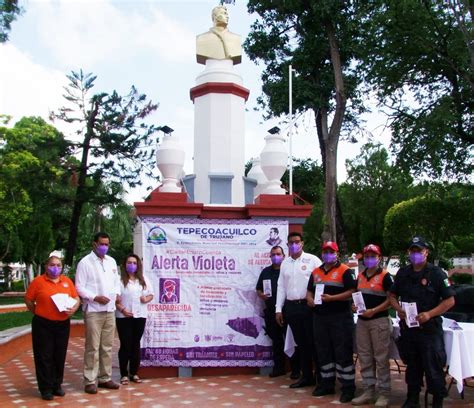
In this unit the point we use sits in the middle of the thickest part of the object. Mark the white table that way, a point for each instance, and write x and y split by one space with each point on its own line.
459 346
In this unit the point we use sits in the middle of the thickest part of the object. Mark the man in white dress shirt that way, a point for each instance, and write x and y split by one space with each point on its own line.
291 305
98 284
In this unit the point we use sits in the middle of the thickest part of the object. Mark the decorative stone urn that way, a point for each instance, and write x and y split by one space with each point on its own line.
170 162
273 161
256 173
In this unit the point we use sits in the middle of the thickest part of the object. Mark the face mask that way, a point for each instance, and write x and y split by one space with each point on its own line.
131 267
276 259
102 250
329 257
295 247
370 262
417 258
54 271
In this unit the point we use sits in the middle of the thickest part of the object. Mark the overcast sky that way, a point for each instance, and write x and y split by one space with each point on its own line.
149 44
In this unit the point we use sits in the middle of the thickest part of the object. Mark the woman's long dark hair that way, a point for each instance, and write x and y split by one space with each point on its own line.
139 273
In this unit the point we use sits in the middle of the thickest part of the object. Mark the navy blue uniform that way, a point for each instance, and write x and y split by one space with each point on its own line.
422 348
273 329
333 326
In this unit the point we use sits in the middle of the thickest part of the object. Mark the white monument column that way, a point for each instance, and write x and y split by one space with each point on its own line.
219 117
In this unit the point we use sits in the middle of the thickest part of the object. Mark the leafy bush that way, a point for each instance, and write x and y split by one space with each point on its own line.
462 278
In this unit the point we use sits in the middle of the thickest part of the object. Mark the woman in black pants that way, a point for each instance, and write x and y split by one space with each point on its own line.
135 293
50 325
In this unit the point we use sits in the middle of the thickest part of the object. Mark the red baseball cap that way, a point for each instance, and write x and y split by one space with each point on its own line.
372 248
331 245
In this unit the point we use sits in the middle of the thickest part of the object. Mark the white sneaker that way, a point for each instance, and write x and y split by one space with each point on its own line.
367 397
382 401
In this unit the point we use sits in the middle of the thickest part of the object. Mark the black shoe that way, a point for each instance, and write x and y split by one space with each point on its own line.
59 392
437 401
47 396
295 375
346 397
304 382
276 373
320 391
412 401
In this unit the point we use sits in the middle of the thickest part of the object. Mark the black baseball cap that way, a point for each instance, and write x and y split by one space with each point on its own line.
419 242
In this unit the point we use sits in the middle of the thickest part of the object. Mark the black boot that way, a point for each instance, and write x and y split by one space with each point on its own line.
437 401
412 401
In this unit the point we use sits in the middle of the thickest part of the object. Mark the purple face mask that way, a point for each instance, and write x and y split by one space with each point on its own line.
417 258
102 249
54 271
295 247
131 267
276 259
329 257
371 261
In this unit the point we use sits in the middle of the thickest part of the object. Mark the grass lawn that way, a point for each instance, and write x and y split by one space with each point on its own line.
16 319
7 300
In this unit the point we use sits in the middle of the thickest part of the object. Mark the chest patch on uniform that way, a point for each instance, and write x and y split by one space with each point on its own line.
424 282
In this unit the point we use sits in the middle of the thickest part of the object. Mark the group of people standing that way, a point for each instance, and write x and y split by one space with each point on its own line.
110 299
314 299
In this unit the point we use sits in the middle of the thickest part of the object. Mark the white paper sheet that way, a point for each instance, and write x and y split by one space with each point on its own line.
359 302
63 301
290 343
267 287
319 290
411 311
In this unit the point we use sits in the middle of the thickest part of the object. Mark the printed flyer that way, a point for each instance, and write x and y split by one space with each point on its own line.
205 312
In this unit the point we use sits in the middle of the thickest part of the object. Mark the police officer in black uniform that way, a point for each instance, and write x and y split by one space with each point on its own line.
274 330
422 348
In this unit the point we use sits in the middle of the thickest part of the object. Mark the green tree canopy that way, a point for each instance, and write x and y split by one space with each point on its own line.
442 216
114 144
418 59
373 185
9 10
34 190
319 39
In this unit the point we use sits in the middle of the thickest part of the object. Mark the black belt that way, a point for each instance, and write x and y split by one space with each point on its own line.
297 301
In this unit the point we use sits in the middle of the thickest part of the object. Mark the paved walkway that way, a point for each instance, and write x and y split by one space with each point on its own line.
18 389
17 307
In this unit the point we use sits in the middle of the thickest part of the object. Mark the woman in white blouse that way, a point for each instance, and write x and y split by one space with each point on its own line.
135 293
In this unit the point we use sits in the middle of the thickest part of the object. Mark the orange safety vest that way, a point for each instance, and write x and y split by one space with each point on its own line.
374 286
333 278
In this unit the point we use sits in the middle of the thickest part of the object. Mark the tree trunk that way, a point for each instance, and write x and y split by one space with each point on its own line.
80 198
329 139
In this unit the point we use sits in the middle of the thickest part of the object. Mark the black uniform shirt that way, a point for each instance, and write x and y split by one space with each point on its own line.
273 274
427 288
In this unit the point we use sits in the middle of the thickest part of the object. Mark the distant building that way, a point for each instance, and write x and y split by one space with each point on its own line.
463 264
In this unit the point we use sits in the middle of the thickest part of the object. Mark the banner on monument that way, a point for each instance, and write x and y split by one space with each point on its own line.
205 312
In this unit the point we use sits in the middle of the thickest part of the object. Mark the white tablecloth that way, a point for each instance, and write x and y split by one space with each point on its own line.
459 346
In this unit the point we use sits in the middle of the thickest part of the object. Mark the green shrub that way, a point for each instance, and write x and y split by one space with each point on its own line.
18 286
461 278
